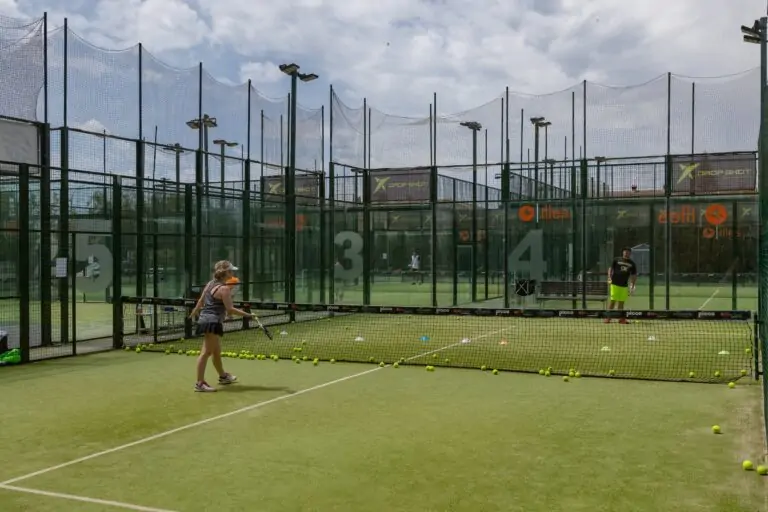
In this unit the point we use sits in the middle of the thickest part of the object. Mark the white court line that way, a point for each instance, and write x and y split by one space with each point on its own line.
717 290
84 499
248 408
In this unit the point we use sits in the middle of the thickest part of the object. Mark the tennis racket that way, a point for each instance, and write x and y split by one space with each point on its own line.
261 326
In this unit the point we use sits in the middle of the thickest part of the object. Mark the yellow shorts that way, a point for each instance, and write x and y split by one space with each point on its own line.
619 293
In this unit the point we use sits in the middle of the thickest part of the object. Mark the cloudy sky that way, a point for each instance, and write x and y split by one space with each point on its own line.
398 53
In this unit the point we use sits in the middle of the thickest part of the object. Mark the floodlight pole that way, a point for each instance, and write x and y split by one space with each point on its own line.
290 181
475 127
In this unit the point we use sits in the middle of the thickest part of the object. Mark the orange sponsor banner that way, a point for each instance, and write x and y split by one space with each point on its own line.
527 213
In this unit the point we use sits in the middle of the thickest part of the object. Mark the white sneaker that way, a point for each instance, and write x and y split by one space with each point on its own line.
203 387
227 378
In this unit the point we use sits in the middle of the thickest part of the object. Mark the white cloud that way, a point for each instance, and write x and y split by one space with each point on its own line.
261 72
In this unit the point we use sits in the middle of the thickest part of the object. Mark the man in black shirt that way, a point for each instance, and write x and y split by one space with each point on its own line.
622 276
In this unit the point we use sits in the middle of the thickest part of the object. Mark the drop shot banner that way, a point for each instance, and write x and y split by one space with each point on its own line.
709 174
399 185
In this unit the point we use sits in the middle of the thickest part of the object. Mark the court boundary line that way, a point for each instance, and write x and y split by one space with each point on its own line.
84 499
8 483
717 290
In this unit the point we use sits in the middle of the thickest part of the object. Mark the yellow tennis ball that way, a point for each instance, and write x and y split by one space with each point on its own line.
762 470
747 465
731 385
716 429
495 371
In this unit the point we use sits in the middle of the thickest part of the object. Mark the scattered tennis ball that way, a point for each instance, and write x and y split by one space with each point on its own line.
305 358
167 351
762 470
744 373
138 350
572 370
447 361
565 378
611 372
731 385
316 362
483 368
430 368
578 375
127 348
298 361
747 350
495 371
434 356
691 375
396 365
371 359
716 429
382 364
571 373
717 374
547 373
747 465
541 372
402 359
180 352
332 361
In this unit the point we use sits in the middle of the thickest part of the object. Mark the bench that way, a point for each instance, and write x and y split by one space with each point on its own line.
573 290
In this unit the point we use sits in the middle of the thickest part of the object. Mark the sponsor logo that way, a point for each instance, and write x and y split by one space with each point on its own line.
565 313
502 312
634 313
443 311
707 314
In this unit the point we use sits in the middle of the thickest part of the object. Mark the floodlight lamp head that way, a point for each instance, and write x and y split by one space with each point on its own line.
210 122
194 124
545 123
289 69
219 142
536 120
307 77
232 144
752 39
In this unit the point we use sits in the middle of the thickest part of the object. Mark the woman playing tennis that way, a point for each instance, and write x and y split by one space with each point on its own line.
213 306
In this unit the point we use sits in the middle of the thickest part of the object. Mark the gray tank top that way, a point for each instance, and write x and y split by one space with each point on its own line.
213 308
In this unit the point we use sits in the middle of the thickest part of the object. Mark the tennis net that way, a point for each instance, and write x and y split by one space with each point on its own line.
696 346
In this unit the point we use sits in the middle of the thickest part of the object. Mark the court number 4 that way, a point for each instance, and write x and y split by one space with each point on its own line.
534 266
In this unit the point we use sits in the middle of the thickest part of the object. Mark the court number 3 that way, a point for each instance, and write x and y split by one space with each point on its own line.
101 253
351 244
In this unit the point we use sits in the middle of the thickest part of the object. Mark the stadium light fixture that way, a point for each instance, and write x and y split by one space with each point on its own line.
536 120
222 143
307 77
600 159
472 125
289 69
752 34
206 121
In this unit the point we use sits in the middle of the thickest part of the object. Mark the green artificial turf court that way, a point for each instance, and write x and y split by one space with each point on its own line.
340 436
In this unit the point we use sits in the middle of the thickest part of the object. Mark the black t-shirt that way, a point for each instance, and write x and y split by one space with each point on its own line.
622 269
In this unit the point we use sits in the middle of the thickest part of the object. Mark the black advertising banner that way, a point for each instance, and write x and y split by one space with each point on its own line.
399 185
707 174
306 186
